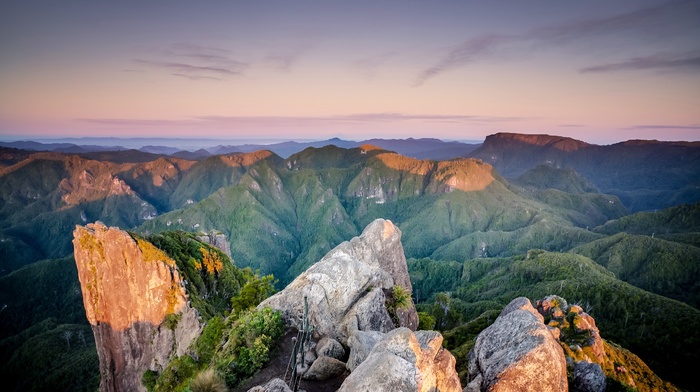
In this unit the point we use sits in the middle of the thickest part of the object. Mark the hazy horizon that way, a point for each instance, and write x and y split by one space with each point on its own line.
601 72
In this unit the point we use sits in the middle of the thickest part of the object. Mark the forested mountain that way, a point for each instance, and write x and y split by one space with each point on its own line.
525 215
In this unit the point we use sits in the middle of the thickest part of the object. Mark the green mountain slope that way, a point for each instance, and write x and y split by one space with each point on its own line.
674 220
549 177
282 216
659 266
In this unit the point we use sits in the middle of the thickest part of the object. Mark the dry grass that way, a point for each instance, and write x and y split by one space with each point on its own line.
208 381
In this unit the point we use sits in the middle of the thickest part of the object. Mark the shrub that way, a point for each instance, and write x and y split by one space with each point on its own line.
253 292
426 322
402 297
171 320
248 346
178 372
149 379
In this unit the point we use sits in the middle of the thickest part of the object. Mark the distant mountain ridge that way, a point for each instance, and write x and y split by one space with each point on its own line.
645 175
426 148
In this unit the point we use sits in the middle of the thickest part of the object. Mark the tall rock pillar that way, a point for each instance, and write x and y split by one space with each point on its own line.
135 303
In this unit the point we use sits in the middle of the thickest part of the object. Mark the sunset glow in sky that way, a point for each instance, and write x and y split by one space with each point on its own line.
598 71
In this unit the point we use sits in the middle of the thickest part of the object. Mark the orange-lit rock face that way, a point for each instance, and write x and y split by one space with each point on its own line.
122 282
129 287
411 165
245 159
463 174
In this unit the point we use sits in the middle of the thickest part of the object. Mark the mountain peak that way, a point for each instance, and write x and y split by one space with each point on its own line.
369 147
559 142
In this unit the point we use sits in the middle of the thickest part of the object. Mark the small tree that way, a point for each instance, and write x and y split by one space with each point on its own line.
67 334
253 292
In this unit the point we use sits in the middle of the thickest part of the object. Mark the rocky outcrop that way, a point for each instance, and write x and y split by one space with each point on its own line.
528 349
517 353
135 303
345 289
347 294
592 360
405 361
330 348
361 344
216 239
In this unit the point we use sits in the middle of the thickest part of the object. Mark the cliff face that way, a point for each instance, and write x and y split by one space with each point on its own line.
135 303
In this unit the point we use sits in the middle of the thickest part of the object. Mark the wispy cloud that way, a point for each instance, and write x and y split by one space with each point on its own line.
195 62
359 117
690 61
284 60
662 126
369 66
463 54
196 77
672 17
654 20
189 69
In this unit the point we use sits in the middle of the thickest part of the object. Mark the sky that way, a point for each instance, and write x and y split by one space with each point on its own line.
598 71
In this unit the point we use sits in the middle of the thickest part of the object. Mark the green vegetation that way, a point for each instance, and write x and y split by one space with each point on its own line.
397 298
678 219
212 278
231 348
50 356
253 292
429 277
236 339
45 341
662 267
426 322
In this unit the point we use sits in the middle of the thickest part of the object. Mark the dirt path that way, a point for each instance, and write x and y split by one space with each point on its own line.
278 366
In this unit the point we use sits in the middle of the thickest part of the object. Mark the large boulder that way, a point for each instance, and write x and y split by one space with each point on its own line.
588 377
405 361
330 348
274 385
324 368
517 353
361 344
345 289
